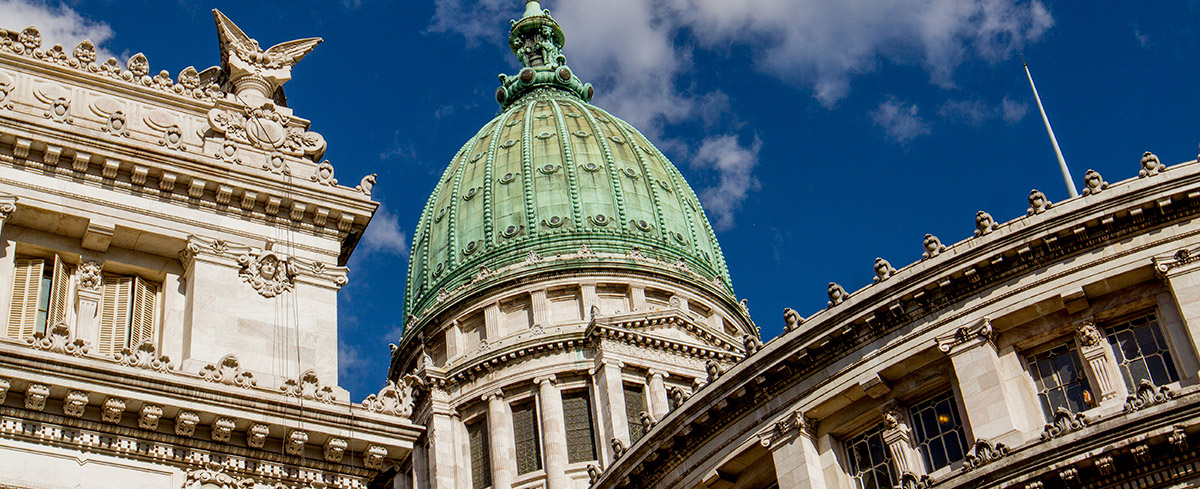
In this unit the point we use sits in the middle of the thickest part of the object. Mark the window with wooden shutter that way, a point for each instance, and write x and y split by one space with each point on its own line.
114 314
27 286
59 296
144 313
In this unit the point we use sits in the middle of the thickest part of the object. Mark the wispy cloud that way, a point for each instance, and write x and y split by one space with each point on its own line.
1012 111
734 164
476 20
976 112
57 22
899 120
1142 37
384 235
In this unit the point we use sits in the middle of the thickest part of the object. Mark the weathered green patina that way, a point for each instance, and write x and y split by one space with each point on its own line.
552 177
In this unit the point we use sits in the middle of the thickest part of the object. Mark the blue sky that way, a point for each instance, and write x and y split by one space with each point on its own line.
819 134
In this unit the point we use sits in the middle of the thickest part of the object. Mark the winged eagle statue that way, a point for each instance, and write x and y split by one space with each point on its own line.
253 71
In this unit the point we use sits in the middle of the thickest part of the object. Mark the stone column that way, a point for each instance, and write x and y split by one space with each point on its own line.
659 406
794 450
610 390
541 306
554 433
87 302
994 407
502 445
1100 363
898 440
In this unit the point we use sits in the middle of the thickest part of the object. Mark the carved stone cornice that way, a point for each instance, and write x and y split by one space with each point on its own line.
967 337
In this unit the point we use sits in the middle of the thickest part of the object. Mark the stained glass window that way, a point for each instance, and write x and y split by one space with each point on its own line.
481 463
939 431
525 434
1058 375
581 440
1142 352
870 461
634 405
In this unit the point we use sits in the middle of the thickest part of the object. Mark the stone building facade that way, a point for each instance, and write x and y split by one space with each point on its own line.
171 250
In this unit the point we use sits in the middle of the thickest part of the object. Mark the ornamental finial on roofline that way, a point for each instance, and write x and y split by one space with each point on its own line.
253 72
537 40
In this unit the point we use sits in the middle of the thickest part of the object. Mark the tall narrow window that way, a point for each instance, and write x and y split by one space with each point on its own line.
581 440
39 299
128 313
525 434
1142 352
870 461
1058 375
939 431
635 403
481 463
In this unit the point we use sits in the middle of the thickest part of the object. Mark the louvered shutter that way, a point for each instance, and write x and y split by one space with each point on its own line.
114 314
22 315
145 311
59 292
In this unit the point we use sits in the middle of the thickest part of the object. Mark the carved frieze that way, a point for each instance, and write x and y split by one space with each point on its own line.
269 273
1164 264
222 429
228 371
335 448
268 129
256 435
144 356
308 386
374 456
294 443
213 476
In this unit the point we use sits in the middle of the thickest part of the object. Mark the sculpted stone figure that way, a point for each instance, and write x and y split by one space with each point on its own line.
984 223
252 70
837 294
1093 183
883 270
267 273
1038 202
933 246
1150 165
791 319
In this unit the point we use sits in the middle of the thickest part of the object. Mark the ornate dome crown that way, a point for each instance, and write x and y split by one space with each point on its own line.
552 184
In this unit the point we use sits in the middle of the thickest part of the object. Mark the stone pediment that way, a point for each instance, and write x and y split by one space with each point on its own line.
665 325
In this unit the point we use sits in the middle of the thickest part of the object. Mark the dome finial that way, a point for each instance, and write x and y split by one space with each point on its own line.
537 40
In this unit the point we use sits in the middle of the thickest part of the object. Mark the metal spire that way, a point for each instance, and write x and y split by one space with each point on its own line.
1062 163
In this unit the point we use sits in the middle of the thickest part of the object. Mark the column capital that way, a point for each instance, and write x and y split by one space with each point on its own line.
498 394
8 205
552 379
1172 263
793 424
967 337
657 373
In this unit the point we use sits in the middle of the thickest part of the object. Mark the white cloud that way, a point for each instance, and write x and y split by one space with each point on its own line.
899 120
1012 111
973 112
1141 36
477 21
57 23
384 235
734 165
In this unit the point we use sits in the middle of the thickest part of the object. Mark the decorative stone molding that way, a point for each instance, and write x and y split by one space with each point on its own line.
1088 334
1069 474
222 429
90 276
910 480
1147 394
256 435
185 423
836 293
618 448
984 223
751 345
791 319
1164 264
393 399
149 416
1093 183
1150 165
1038 203
294 444
1178 438
968 336
374 455
308 386
59 339
267 129
1104 464
792 425
594 472
144 356
933 247
8 204
35 397
213 476
228 371
252 71
647 420
75 404
982 453
883 270
677 396
5 385
1141 453
1064 422
112 410
335 448
714 370
269 273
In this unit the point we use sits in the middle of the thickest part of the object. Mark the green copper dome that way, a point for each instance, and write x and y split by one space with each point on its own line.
551 178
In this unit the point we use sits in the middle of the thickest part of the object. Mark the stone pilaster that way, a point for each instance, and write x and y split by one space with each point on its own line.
420 464
995 411
554 433
1179 271
502 442
541 307
794 450
590 299
1100 363
493 322
87 302
659 406
638 297
439 452
610 390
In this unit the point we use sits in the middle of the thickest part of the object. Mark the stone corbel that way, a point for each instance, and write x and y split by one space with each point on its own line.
967 337
8 207
786 429
98 236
